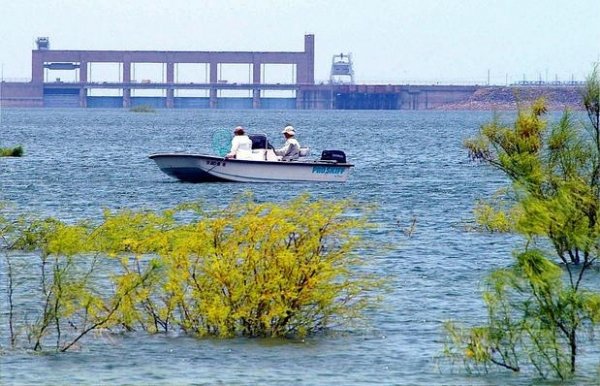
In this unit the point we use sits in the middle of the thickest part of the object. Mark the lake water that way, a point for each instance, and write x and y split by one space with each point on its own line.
412 164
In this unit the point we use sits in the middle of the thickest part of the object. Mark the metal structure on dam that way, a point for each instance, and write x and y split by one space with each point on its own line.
338 93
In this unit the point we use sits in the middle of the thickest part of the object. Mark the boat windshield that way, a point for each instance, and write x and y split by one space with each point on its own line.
260 141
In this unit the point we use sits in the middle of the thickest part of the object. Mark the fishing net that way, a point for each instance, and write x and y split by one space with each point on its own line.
221 142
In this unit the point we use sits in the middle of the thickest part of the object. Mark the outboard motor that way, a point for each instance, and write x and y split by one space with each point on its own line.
336 156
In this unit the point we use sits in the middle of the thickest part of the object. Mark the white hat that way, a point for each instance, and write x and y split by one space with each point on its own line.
288 130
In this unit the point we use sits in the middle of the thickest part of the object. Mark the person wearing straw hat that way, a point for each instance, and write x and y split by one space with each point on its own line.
291 149
241 145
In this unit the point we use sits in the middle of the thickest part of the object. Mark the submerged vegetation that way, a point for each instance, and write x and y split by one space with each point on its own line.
142 109
11 151
544 309
256 270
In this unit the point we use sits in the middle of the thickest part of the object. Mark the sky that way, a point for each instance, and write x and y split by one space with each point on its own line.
391 41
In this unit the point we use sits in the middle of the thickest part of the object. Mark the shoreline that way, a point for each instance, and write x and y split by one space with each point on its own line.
512 98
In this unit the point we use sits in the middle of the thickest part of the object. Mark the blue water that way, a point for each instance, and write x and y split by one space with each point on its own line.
412 164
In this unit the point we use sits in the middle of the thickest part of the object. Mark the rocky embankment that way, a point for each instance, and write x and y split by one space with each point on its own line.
509 98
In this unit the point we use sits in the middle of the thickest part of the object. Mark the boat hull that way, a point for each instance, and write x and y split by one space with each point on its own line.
207 168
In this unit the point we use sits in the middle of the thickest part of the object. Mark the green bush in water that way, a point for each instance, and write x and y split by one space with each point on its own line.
11 151
142 109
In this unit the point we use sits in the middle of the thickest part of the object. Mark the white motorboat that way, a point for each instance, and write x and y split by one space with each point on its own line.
262 166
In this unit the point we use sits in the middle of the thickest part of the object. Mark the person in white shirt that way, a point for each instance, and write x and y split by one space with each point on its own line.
291 149
241 145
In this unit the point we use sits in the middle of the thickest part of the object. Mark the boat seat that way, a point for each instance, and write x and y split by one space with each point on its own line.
258 155
304 151
244 154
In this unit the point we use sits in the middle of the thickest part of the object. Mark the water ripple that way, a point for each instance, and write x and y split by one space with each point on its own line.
411 164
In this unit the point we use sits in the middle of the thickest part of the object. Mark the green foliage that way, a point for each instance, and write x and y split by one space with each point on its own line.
537 309
514 150
533 318
495 215
591 97
249 269
554 181
11 151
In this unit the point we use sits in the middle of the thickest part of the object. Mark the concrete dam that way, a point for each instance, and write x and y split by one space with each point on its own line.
207 91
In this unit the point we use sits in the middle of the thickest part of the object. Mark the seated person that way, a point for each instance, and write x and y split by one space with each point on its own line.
291 149
241 145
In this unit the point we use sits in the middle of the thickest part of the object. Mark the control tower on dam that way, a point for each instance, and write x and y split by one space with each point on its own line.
68 78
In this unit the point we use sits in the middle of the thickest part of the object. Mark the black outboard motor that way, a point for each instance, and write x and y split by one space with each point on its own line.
336 156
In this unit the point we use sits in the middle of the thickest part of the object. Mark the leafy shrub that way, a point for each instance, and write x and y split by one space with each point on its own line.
11 152
250 269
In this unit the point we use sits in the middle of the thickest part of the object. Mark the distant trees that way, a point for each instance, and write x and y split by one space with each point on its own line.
247 270
11 151
540 307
